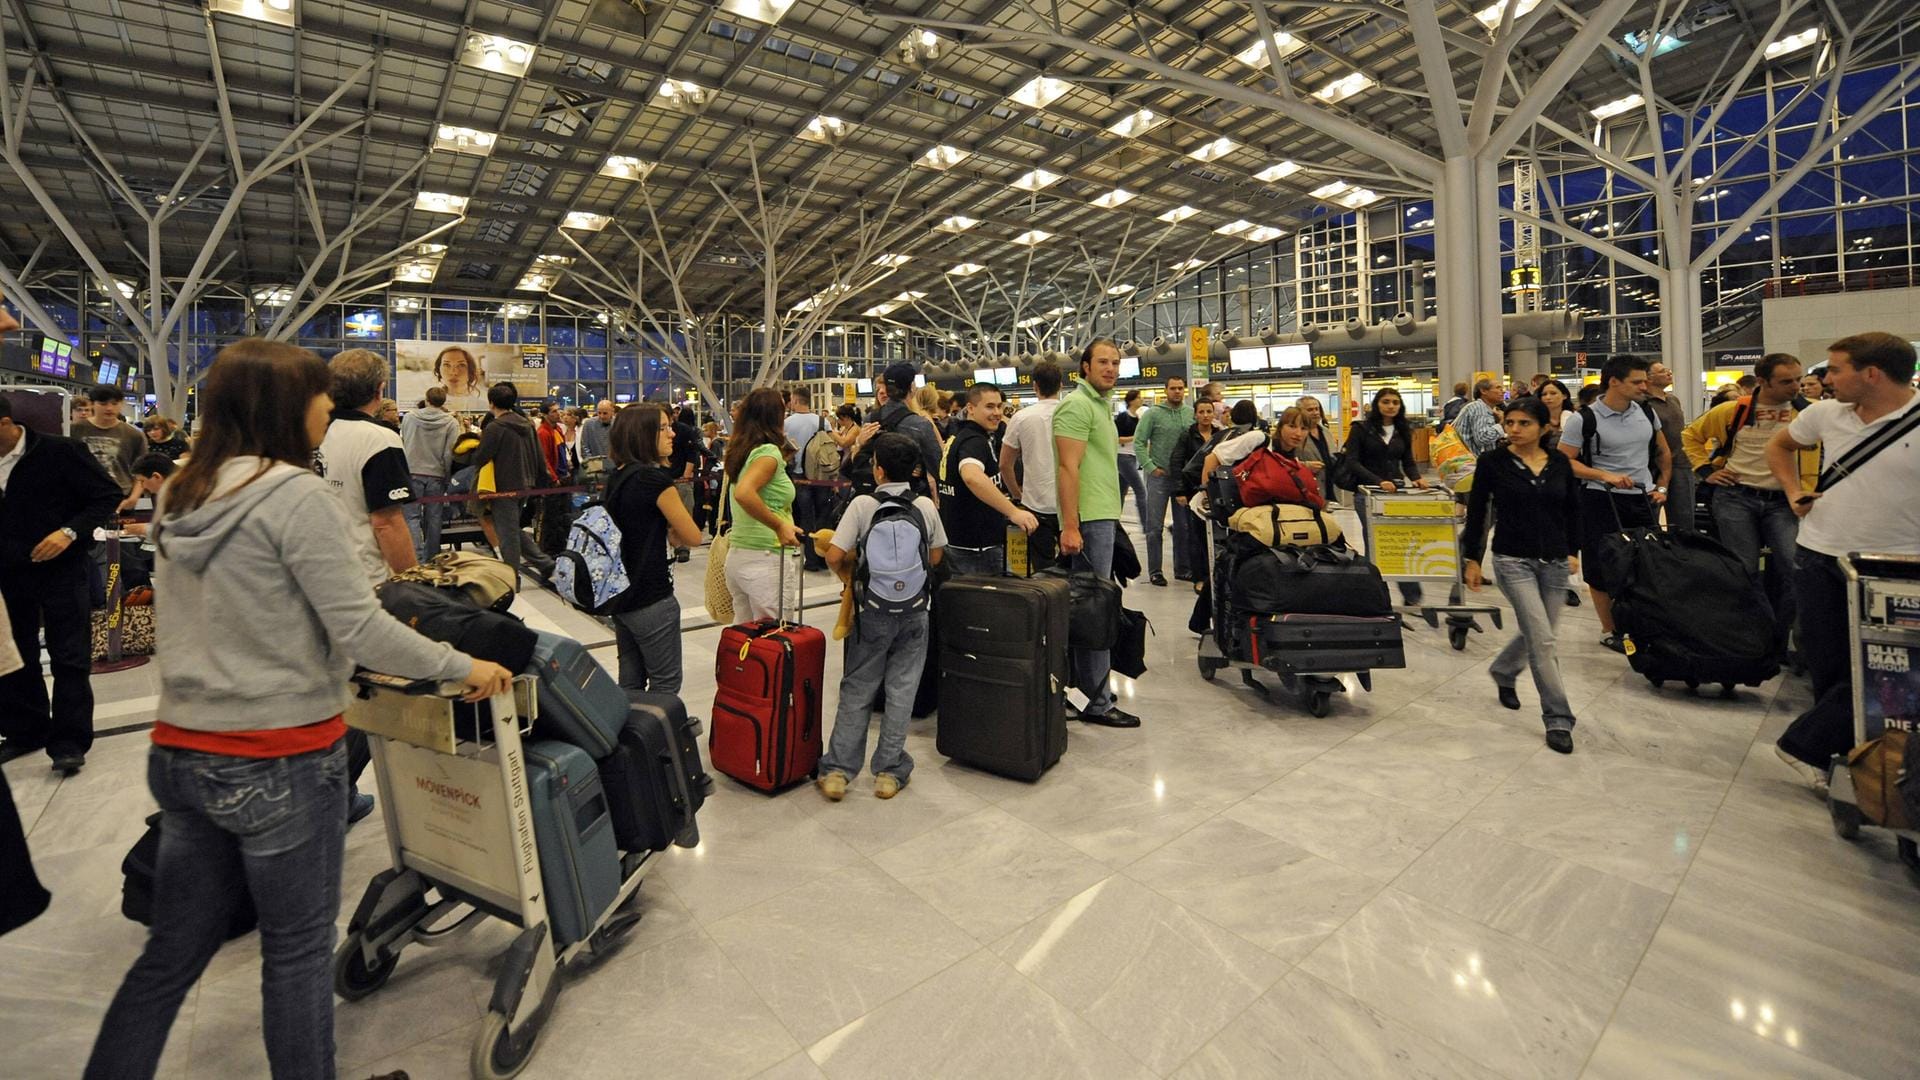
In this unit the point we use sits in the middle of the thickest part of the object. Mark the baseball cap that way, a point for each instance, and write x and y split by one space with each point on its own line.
899 374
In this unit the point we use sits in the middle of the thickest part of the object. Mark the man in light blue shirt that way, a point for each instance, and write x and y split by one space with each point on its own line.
1625 463
1479 422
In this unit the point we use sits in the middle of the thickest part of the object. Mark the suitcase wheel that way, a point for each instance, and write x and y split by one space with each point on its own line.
1210 667
1317 702
1457 637
1726 690
1847 819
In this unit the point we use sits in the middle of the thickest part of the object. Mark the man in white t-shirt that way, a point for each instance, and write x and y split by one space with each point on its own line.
1029 446
1861 505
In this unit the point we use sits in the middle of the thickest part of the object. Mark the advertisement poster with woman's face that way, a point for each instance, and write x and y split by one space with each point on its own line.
466 370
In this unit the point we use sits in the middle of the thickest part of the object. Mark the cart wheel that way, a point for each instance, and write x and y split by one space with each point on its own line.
1209 668
1847 819
1317 702
1457 637
353 979
1726 690
496 1053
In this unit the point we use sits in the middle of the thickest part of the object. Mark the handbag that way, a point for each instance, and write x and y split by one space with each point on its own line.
483 482
1285 524
1878 768
1267 477
719 597
1130 644
1093 618
477 579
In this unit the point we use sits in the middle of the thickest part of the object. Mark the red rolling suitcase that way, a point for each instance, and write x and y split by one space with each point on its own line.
766 702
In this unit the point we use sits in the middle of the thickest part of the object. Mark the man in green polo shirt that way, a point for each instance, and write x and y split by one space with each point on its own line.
1160 427
1087 470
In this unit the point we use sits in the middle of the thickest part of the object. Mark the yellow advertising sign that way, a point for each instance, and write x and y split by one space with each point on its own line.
1413 548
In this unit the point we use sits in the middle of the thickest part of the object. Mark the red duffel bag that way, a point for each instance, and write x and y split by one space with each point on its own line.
1266 478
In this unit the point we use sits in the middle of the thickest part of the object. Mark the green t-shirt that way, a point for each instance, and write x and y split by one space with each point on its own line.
748 532
1087 415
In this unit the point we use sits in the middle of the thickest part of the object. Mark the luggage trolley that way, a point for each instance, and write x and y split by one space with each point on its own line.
1883 602
454 793
1320 657
1413 535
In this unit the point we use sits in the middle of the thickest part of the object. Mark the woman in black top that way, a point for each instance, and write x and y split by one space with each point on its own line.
1192 445
650 515
1380 447
1533 493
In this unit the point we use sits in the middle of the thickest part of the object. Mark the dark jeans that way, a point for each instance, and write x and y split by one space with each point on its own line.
1748 518
1131 480
506 527
809 507
54 595
1090 666
274 827
1826 729
987 561
425 519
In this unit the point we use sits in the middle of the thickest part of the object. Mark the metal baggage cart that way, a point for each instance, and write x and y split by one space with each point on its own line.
1883 605
1217 648
1413 535
453 791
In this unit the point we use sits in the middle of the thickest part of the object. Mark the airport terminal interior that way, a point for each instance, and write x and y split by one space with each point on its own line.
1437 821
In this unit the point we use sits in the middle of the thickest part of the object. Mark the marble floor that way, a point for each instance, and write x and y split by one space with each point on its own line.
1412 886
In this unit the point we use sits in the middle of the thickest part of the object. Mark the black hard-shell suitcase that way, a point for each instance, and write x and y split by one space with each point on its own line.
654 781
1003 673
1324 643
1688 611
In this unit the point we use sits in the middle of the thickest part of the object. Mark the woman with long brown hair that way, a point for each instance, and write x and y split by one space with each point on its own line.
642 501
264 610
761 505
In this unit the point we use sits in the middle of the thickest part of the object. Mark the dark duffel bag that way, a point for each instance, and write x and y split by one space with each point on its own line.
486 635
136 888
1093 619
1320 580
1688 611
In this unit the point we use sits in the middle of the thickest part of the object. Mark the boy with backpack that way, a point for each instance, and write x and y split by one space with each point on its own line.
890 541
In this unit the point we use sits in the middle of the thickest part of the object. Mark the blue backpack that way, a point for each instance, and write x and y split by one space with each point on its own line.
892 568
590 574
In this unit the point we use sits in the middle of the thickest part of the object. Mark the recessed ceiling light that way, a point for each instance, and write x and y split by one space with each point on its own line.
1611 109
958 223
1489 16
680 92
535 283
620 167
1113 198
1213 150
1178 214
1791 43
1330 189
1344 87
1032 237
500 55
911 295
1277 171
891 261
1035 180
1040 91
404 304
584 221
274 295
1119 290
965 269
1235 228
943 157
272 12
464 140
1136 123
1255 55
1189 264
825 129
439 202
418 271
766 11
1260 234
881 310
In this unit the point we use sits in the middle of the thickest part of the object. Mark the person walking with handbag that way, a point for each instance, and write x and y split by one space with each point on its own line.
266 613
1536 498
760 507
1869 432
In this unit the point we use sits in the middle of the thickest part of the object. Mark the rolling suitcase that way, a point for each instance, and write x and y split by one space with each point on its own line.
653 777
1687 610
1324 643
1003 673
768 679
578 702
579 863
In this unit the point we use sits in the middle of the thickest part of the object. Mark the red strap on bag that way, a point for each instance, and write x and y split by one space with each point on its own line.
1266 477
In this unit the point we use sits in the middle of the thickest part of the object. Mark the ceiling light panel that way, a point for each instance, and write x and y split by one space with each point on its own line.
500 55
766 11
1040 92
1113 198
825 129
1617 106
880 311
1032 237
464 140
680 93
1330 189
1136 123
1279 170
1490 15
1035 180
1255 55
958 223
943 157
1119 290
893 261
1189 264
1213 150
1260 234
1792 43
440 202
965 269
1344 87
619 167
273 12
1178 214
584 221
1235 228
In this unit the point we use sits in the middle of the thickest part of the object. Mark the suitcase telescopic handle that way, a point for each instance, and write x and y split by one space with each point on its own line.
799 589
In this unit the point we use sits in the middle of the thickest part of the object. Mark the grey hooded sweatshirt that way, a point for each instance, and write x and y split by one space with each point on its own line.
262 607
427 435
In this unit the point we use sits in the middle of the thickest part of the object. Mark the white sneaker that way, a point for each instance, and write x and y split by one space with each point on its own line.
1815 779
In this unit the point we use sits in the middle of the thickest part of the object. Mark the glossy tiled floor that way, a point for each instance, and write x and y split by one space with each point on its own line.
1413 886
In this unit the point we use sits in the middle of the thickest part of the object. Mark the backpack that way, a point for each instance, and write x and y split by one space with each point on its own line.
859 467
893 570
820 458
1590 438
1451 457
1266 477
590 573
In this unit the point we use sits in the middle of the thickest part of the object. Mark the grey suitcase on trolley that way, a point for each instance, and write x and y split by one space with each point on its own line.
579 863
1003 673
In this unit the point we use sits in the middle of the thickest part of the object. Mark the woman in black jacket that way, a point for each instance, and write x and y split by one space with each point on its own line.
1380 454
1532 492
1192 445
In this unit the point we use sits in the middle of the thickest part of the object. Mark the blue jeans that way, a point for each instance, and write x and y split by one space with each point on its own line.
1091 666
1537 589
1749 517
424 521
1160 493
885 650
648 640
276 828
1130 480
987 561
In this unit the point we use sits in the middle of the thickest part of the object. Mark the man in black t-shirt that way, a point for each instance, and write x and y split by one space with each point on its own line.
973 509
686 459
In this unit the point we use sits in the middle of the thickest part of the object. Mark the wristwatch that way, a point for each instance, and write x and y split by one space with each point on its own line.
71 535
1662 489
